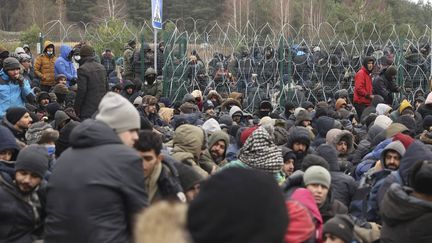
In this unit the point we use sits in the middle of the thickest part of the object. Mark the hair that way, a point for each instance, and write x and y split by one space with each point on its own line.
149 140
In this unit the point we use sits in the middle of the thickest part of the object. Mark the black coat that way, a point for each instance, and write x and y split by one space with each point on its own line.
384 87
92 86
18 222
425 110
96 188
405 218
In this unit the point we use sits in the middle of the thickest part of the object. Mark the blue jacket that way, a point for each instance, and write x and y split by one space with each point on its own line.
63 65
11 94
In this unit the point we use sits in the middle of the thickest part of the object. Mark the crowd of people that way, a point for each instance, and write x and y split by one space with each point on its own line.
84 158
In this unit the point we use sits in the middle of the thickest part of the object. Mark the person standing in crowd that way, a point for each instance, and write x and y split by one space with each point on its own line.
128 54
108 61
92 84
13 86
22 198
27 68
98 185
44 66
385 86
363 86
65 66
151 85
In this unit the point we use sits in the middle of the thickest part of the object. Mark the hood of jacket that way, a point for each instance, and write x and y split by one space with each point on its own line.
7 140
298 134
91 133
128 84
218 136
373 131
324 124
400 207
383 109
376 152
417 151
46 44
334 136
305 197
188 139
396 146
64 51
330 154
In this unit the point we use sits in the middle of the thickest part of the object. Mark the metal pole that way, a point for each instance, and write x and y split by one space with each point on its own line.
142 67
155 50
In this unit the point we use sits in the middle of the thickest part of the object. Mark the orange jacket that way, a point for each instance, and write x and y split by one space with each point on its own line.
44 66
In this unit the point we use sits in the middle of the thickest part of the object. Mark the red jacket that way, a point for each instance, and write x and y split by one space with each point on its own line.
363 87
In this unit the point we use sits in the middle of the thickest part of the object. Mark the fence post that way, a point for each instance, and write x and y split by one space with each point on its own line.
39 46
281 66
142 64
168 49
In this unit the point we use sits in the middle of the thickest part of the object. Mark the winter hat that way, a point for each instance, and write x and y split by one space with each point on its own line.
118 113
341 226
394 129
188 98
19 50
59 76
138 101
314 160
33 158
297 110
246 133
188 176
34 132
211 126
188 108
52 108
234 110
14 114
307 104
222 199
377 99
427 122
383 109
63 142
280 135
10 63
404 139
429 99
330 154
421 177
317 175
383 121
266 121
390 72
86 51
404 105
207 105
408 121
342 93
3 52
43 95
24 57
59 117
339 103
303 116
60 89
196 94
225 121
287 154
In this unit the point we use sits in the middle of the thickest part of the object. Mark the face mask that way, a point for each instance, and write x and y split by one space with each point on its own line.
49 53
77 58
51 149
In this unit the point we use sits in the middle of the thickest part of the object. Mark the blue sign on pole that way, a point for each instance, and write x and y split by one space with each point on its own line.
157 14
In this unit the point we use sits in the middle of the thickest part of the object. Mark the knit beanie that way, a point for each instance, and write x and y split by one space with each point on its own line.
317 175
383 121
404 105
34 132
314 160
118 113
390 72
10 63
303 116
225 121
14 114
188 176
8 141
42 96
341 226
138 101
427 122
86 51
208 105
222 199
33 158
60 89
188 108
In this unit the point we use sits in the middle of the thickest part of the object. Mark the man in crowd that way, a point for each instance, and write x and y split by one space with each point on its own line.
363 86
44 66
18 120
214 156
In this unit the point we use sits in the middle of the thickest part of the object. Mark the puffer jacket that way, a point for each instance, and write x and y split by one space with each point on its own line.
12 94
65 66
188 142
405 217
44 66
363 87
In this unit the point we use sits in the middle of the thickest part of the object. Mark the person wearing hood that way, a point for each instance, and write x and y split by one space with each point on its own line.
8 151
148 111
43 99
288 111
383 109
407 211
299 142
339 229
188 143
371 109
27 68
44 66
18 120
365 145
318 181
128 69
129 91
385 85
363 85
289 158
65 66
13 86
343 185
405 108
3 55
92 84
152 86
214 156
343 141
22 197
304 119
264 109
215 97
98 185
426 108
323 125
